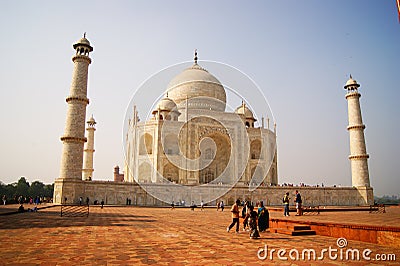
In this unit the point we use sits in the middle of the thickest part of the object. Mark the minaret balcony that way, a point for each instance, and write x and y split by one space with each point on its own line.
77 98
356 127
358 156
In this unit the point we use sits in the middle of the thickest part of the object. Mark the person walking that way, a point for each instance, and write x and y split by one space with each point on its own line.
235 216
202 205
222 206
253 223
286 204
298 203
246 215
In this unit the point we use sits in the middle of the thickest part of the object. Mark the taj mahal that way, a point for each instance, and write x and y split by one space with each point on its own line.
193 115
192 149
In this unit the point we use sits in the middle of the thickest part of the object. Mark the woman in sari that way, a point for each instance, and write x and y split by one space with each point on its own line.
263 217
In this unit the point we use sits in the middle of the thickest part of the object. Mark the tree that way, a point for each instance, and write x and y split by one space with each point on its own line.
22 187
36 189
48 190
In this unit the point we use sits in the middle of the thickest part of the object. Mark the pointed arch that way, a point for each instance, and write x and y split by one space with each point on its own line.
255 149
171 172
144 173
146 144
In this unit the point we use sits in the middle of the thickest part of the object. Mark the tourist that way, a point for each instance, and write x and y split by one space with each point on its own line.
222 206
21 208
87 200
37 200
192 206
263 217
286 204
102 203
202 205
298 203
253 223
218 205
235 216
4 199
34 209
80 200
172 205
246 214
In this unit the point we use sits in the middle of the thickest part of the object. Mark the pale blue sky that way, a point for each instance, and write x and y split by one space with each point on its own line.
299 52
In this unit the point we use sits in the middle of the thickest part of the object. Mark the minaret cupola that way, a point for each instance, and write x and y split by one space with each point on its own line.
82 46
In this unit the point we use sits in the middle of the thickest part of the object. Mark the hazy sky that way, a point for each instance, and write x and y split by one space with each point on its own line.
300 53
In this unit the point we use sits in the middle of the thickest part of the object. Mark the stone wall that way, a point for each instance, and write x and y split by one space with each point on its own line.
118 193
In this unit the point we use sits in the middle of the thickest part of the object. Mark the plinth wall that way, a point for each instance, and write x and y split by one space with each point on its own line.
118 193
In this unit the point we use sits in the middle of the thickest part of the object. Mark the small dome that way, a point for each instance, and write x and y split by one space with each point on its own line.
83 41
351 82
91 119
244 110
166 104
91 122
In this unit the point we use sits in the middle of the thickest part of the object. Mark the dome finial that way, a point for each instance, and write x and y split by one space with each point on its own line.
167 94
195 56
84 34
351 77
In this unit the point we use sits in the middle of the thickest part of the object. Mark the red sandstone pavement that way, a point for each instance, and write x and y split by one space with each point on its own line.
160 236
390 219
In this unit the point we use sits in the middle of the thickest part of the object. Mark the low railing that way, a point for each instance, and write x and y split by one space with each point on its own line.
377 208
74 210
310 210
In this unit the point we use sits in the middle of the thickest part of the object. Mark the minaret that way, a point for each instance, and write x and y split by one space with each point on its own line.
87 170
74 133
358 153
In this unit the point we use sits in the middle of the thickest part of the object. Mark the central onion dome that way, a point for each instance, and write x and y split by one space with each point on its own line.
203 90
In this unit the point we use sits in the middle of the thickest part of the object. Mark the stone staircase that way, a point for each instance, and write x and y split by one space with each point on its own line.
295 230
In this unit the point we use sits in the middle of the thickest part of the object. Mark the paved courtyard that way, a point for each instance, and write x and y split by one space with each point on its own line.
160 236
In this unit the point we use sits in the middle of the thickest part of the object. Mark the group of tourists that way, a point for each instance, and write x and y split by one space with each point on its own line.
254 221
297 200
192 206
